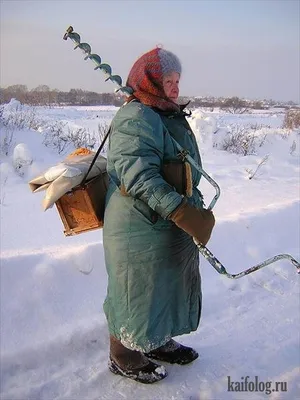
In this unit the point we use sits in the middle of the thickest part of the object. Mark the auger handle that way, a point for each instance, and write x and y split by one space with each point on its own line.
219 267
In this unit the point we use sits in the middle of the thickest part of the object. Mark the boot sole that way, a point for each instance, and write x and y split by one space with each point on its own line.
151 373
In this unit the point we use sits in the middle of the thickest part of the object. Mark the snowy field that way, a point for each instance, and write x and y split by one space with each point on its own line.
54 339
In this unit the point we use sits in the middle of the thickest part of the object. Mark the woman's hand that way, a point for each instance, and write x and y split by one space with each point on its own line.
196 222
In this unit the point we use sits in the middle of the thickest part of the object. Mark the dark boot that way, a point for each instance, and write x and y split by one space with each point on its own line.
173 353
133 364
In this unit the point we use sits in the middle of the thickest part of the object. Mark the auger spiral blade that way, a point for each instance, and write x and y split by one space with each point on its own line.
116 79
85 48
75 38
96 59
105 68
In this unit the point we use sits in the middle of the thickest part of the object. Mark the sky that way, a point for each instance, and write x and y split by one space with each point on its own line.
245 48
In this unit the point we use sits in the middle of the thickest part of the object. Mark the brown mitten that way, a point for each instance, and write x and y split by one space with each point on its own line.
196 222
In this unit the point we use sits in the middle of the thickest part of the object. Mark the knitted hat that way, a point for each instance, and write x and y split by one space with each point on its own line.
169 62
146 78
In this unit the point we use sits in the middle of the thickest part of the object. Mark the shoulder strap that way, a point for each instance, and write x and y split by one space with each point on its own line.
100 148
96 156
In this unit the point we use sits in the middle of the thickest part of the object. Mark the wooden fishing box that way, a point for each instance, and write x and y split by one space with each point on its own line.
82 209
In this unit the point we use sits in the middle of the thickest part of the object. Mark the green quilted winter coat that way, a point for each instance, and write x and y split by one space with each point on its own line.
154 286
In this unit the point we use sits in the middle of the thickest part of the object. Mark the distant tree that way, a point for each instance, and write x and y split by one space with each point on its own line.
17 89
257 105
42 88
75 96
235 105
18 92
107 98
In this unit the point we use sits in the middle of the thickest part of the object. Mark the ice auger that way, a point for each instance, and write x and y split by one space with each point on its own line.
183 154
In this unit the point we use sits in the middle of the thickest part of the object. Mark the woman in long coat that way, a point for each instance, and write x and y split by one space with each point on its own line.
153 212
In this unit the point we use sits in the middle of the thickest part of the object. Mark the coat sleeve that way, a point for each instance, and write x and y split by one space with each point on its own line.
136 152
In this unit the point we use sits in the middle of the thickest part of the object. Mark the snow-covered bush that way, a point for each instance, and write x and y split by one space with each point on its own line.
6 139
240 140
292 119
3 183
7 134
15 116
21 158
252 173
18 116
81 137
243 134
293 148
234 138
55 138
62 138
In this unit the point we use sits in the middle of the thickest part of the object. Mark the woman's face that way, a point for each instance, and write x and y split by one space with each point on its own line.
171 85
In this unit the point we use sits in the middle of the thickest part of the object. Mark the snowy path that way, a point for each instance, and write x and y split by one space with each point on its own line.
249 327
235 336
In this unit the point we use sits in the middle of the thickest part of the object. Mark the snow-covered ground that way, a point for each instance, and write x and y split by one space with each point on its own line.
54 339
